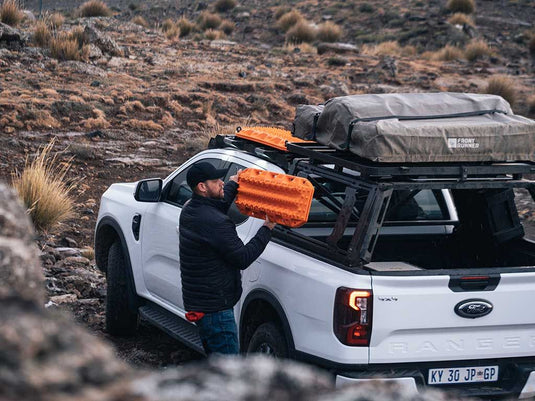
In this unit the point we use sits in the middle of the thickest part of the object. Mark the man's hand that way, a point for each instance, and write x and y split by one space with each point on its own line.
235 177
269 224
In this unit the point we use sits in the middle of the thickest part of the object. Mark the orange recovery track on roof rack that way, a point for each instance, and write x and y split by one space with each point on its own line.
274 137
285 199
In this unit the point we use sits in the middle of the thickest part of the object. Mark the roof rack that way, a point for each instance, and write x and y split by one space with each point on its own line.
321 154
314 153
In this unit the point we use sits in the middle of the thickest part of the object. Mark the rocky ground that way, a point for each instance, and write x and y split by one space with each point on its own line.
142 103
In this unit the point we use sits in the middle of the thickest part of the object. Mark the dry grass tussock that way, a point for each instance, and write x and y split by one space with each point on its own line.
173 32
186 26
447 53
329 32
41 34
227 27
290 47
301 32
10 13
476 50
208 20
225 5
289 20
42 188
66 46
389 48
461 6
139 20
94 8
503 86
167 25
461 19
56 20
214 34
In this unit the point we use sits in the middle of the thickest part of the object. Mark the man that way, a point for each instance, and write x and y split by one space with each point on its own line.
212 255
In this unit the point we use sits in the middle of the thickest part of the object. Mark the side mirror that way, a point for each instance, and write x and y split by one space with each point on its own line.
148 190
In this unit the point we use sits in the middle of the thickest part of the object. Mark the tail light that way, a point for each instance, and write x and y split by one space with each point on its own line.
353 316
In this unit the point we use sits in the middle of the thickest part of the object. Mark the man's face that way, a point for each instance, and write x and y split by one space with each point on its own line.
214 188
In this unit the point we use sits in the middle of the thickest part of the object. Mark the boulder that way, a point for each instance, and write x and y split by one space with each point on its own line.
20 270
11 38
102 41
337 48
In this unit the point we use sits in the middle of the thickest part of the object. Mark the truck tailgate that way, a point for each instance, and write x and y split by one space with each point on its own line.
414 319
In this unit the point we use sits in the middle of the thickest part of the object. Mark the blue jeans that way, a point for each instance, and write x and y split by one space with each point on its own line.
219 333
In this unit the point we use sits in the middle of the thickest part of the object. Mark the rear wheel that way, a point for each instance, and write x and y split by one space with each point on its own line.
269 339
120 320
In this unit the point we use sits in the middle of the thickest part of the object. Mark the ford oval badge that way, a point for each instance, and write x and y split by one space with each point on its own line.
473 308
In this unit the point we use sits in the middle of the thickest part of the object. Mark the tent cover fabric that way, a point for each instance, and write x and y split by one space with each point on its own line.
420 127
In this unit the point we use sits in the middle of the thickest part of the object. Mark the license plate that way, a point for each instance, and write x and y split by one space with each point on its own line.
463 375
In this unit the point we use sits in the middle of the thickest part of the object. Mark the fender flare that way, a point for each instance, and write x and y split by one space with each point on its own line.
264 295
133 299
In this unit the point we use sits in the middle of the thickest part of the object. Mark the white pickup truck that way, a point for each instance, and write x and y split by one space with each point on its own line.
411 273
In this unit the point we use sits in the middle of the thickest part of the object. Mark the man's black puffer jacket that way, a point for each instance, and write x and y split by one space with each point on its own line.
212 254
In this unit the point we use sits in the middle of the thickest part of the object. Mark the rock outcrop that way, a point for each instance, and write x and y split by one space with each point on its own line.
45 356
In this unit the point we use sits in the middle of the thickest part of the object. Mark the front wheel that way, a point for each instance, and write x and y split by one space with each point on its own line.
120 320
269 339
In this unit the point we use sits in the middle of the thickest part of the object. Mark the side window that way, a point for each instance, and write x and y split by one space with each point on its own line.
178 192
233 211
425 204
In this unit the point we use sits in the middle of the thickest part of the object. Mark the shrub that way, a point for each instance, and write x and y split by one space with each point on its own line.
64 47
531 45
301 32
329 32
448 53
460 19
289 20
225 5
227 27
185 25
41 187
213 34
56 20
10 13
461 6
366 8
477 49
208 20
41 34
139 20
94 8
503 86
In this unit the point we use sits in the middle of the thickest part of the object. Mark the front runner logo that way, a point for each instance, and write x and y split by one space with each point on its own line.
454 143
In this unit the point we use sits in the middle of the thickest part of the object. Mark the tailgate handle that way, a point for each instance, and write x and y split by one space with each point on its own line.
474 283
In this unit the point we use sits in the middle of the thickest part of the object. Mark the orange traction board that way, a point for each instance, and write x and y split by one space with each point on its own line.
273 137
285 199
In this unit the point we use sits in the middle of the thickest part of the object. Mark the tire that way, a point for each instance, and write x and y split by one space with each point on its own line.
120 320
270 340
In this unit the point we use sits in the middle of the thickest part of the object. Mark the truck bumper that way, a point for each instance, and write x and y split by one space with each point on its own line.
516 381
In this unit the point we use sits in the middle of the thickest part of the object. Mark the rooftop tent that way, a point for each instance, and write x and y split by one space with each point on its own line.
423 127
